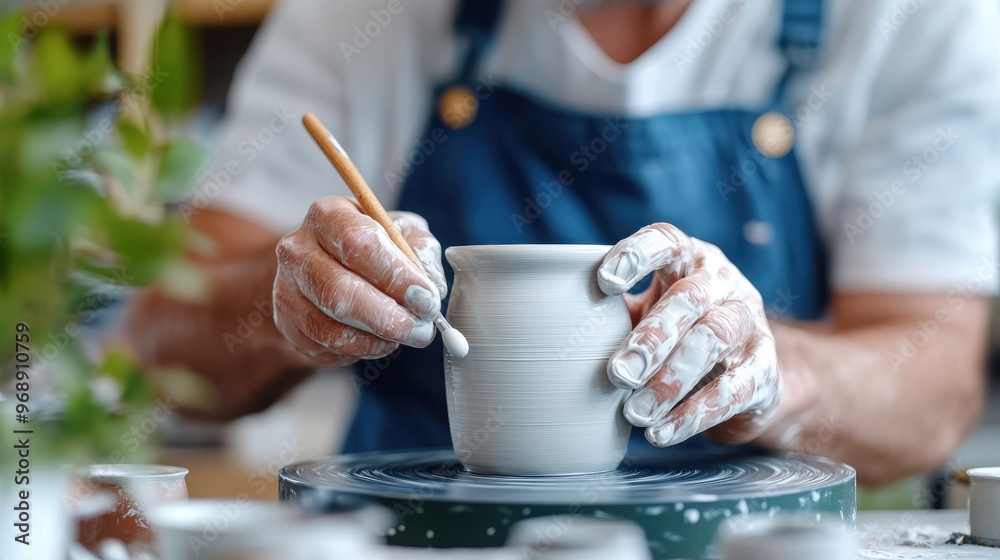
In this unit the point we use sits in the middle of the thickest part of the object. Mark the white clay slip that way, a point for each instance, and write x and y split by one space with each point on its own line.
533 396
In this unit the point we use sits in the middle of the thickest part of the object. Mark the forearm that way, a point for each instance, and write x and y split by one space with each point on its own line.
229 339
866 396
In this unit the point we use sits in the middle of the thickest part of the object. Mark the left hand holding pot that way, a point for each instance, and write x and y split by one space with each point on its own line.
701 355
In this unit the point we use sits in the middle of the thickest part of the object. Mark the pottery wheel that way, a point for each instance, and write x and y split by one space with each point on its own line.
679 499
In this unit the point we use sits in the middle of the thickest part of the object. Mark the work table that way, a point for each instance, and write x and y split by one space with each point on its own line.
917 534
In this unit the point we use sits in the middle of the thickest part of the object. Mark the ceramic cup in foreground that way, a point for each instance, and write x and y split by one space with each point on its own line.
134 490
244 529
984 505
785 537
533 396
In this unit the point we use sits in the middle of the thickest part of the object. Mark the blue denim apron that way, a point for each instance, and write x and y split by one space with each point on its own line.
524 171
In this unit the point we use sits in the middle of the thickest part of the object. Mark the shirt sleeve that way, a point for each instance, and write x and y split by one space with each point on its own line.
917 208
265 168
364 67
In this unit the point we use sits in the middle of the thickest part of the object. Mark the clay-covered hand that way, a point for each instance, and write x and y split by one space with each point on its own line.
344 292
701 355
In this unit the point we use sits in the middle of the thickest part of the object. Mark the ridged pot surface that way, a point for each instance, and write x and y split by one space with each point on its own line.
533 395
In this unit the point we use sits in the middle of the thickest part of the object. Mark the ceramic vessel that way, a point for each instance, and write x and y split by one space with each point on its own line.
533 396
134 490
254 530
44 516
578 538
786 537
984 505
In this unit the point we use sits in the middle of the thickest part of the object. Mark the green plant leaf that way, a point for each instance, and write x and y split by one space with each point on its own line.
12 42
99 70
144 248
181 163
59 68
177 64
135 387
134 139
116 164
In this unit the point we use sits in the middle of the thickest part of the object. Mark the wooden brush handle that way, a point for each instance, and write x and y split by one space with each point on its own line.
338 157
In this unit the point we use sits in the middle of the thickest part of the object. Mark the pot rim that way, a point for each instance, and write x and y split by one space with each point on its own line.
122 472
465 257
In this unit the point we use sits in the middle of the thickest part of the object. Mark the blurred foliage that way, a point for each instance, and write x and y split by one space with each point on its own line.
89 159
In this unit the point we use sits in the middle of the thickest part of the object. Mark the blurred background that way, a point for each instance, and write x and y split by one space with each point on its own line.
203 42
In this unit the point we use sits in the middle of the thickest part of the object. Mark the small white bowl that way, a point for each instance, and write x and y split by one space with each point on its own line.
208 529
785 537
984 505
565 537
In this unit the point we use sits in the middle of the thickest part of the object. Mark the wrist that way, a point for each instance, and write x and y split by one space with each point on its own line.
800 390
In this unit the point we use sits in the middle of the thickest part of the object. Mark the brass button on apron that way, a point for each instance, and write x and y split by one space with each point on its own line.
457 106
773 135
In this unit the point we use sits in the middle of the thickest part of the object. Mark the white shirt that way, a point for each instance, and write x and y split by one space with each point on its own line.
897 128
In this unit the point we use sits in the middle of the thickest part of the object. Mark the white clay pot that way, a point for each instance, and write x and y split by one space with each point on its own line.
205 529
578 538
984 505
785 537
533 396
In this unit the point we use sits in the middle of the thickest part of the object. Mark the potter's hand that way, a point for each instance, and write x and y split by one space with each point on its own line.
702 356
344 292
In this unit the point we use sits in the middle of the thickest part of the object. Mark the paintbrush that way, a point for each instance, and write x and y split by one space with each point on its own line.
454 341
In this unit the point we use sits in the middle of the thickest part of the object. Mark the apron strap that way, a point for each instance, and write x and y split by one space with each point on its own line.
476 21
801 31
477 16
800 40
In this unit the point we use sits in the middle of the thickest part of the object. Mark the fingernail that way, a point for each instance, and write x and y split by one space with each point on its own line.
640 406
619 272
660 435
421 334
422 302
628 370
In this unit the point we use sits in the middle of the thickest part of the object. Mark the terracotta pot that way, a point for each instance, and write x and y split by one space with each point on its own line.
134 489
